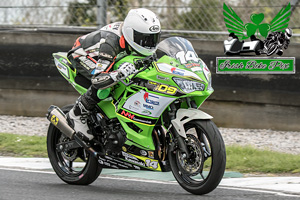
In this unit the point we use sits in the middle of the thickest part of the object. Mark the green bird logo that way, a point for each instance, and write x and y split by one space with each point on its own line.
235 25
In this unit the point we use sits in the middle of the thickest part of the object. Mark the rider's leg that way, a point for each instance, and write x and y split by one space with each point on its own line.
78 114
87 102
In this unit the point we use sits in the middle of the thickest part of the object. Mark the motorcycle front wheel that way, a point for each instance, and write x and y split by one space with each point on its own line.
202 172
272 48
75 166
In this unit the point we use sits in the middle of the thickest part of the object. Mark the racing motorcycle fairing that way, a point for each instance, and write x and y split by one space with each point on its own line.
139 107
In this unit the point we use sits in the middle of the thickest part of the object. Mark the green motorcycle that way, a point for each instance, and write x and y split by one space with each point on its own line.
149 121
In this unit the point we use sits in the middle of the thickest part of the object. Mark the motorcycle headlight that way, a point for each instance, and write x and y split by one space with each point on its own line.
188 86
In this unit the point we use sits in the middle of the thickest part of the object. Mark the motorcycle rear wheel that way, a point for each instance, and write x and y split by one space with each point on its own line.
75 167
203 171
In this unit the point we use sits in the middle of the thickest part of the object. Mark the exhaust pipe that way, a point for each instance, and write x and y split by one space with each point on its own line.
57 117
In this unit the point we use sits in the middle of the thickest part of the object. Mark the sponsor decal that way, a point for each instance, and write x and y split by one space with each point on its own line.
137 104
100 161
136 167
116 26
157 104
148 106
143 153
177 71
63 60
196 69
152 83
162 78
63 69
173 70
92 50
127 155
150 101
54 120
143 120
127 114
190 65
146 112
166 89
154 28
133 108
105 55
133 159
151 154
87 63
137 118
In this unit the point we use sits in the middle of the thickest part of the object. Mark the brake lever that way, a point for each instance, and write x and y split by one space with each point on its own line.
130 80
145 63
138 64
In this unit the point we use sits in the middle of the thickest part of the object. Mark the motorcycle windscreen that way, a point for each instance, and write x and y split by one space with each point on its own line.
179 48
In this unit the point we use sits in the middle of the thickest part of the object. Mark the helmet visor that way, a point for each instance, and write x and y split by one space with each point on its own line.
146 40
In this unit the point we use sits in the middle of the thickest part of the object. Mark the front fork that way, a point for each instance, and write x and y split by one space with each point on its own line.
178 139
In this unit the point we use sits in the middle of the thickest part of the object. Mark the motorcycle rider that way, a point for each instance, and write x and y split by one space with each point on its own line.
281 40
93 55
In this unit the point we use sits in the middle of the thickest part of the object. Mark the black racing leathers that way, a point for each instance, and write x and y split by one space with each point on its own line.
93 56
95 52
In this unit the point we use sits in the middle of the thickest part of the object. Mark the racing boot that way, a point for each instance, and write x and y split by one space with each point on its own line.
78 115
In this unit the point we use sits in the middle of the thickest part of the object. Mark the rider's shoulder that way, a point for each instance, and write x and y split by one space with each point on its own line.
115 28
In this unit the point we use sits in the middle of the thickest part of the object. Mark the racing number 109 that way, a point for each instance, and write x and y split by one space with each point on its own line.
166 89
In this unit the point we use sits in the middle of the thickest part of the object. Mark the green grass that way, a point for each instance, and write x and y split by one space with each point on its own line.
248 159
244 159
22 145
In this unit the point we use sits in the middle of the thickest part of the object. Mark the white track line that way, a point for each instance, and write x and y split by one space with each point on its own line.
162 182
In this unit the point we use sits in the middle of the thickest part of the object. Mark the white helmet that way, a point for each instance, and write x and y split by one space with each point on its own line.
141 29
288 33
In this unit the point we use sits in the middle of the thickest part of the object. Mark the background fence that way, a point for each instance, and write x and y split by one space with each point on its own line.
191 18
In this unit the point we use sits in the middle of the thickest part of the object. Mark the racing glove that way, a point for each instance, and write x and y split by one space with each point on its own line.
126 69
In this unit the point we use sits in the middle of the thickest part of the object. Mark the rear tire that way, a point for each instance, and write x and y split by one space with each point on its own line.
63 163
207 162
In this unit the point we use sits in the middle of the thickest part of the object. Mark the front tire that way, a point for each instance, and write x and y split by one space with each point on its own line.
272 48
203 171
77 166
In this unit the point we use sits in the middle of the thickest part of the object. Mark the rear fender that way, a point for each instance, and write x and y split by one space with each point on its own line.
189 115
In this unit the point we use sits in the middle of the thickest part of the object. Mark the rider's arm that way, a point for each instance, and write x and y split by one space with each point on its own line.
108 50
104 76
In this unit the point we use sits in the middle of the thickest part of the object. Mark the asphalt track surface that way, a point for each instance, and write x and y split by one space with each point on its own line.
30 185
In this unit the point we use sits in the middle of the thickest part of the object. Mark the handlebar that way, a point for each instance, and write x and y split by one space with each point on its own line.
144 63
